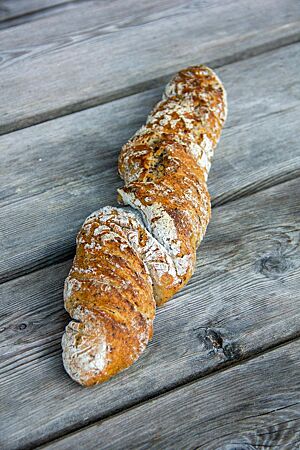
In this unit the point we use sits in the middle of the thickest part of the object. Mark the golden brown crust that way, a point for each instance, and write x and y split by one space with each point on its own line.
121 268
156 259
203 87
166 163
192 113
109 292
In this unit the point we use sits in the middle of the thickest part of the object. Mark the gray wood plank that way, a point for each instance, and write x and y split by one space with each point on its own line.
88 56
11 9
243 299
54 174
16 12
255 405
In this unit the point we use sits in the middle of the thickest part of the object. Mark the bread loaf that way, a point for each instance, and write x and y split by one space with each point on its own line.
130 260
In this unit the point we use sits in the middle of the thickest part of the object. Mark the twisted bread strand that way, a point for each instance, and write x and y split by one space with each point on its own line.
122 270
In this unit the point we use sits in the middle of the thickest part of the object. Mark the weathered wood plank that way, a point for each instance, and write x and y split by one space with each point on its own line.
243 298
12 9
92 55
54 174
16 12
251 406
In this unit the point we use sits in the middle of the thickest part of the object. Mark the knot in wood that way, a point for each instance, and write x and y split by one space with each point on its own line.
273 266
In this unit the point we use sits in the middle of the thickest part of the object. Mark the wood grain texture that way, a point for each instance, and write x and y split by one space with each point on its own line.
89 56
25 9
243 298
255 405
54 174
16 12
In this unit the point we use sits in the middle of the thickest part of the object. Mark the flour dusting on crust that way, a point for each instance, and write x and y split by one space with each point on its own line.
128 260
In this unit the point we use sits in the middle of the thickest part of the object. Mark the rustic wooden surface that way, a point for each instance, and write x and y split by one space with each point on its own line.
211 413
252 161
14 12
240 302
222 369
113 51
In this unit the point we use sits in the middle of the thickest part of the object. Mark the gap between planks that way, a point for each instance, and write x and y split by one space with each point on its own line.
264 185
31 12
270 315
151 84
275 183
145 63
164 392
243 145
68 256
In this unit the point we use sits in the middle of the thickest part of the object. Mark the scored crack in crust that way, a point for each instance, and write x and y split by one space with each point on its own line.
130 260
171 195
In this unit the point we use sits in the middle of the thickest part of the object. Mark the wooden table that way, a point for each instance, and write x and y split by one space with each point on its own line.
77 79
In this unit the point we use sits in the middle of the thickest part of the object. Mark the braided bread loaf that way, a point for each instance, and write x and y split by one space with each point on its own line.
130 259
